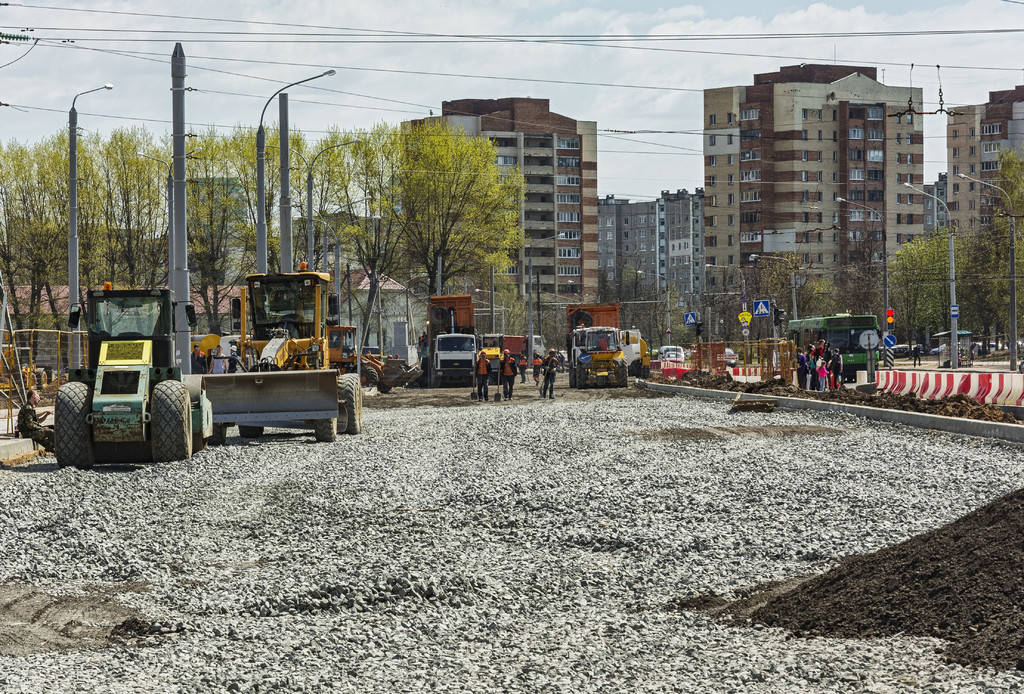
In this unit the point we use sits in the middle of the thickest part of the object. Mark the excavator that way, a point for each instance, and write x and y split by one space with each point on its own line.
287 379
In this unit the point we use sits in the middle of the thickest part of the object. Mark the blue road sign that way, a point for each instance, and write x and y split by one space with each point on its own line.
690 318
761 308
890 340
954 311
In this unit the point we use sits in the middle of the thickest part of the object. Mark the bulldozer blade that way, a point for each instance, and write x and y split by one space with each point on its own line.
396 372
273 398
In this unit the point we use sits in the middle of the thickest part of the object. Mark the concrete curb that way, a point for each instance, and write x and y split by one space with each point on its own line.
954 425
13 451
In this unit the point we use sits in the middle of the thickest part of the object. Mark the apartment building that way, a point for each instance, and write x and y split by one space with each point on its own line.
811 160
660 238
935 213
558 157
974 138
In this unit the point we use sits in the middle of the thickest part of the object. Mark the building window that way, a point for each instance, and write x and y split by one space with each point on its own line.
729 117
728 139
570 199
712 140
568 270
956 152
990 128
505 160
750 155
750 175
803 134
569 162
990 166
856 133
856 174
568 143
568 252
876 155
732 220
856 154
568 216
712 160
749 135
750 196
990 147
732 179
956 134
564 180
712 181
876 134
712 119
876 113
750 114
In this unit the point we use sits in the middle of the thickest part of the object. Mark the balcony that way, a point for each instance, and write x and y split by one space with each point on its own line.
540 187
532 206
537 225
536 170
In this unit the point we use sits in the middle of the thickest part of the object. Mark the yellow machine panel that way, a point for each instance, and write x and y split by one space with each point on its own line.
134 353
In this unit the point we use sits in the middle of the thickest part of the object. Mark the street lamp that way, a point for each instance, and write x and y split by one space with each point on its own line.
309 198
954 334
1013 269
529 290
76 360
170 215
261 194
885 258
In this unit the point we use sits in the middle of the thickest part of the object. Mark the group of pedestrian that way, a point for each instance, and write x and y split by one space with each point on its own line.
509 367
820 367
215 362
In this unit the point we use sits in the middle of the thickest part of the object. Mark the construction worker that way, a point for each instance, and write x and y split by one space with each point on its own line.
199 363
522 368
537 363
508 374
483 376
550 368
29 426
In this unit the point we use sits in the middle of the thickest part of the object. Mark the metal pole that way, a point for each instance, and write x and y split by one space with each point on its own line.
261 201
492 301
182 330
286 197
529 304
170 233
337 277
73 293
792 289
348 281
309 221
954 333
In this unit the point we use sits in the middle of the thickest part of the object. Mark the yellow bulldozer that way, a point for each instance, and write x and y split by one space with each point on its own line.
286 378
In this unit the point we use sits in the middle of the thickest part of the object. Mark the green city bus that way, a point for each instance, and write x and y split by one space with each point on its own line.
841 331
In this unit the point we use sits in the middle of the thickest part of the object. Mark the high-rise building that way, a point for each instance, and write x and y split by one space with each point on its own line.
974 138
811 160
661 239
558 158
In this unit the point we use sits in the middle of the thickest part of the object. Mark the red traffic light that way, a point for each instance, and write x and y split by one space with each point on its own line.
890 315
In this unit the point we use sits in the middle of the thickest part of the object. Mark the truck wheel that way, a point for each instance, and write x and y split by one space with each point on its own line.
369 378
325 430
249 432
581 377
171 428
220 435
350 397
623 376
72 437
572 378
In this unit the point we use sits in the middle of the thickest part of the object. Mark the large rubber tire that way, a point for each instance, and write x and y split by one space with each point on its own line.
247 432
171 424
370 378
325 430
581 377
72 435
572 378
623 376
350 399
220 435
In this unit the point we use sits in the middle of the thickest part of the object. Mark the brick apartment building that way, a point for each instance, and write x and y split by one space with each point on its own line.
781 152
661 238
558 158
974 138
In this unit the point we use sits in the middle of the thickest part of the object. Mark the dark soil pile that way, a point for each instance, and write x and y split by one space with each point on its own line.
961 582
953 406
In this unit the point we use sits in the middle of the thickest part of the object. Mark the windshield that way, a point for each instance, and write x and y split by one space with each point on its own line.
129 316
287 302
490 342
456 343
599 340
671 353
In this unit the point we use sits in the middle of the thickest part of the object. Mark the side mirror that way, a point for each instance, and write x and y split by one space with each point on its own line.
236 310
75 316
190 315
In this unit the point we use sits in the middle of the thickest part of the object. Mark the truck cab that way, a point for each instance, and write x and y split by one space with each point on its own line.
454 354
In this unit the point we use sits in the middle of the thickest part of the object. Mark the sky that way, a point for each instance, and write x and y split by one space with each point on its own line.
637 69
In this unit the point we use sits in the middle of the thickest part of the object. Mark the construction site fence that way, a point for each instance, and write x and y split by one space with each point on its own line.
766 359
37 359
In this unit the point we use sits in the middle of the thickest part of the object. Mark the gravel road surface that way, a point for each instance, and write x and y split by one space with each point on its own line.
531 546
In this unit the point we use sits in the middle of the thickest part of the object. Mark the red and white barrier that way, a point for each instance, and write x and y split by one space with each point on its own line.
990 388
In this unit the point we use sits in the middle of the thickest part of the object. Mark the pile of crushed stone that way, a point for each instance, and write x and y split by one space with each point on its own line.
958 405
960 582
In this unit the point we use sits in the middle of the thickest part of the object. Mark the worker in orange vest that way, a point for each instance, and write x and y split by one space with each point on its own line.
483 376
508 374
550 368
537 361
522 368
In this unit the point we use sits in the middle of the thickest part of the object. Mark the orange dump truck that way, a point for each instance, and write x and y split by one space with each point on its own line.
453 341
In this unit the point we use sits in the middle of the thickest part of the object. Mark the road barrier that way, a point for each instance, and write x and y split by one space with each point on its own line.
1004 389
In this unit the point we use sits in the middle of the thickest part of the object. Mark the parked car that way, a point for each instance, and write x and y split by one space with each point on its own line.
730 357
671 352
901 351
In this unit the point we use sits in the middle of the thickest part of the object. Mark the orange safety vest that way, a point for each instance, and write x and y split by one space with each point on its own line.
510 367
483 367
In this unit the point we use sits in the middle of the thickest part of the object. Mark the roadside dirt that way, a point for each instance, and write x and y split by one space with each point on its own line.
960 582
953 406
522 393
33 621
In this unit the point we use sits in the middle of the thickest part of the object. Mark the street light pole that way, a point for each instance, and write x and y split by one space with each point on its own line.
261 192
310 238
73 291
1013 269
954 333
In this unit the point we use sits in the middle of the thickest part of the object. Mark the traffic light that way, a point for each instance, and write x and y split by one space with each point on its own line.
779 313
698 328
890 316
